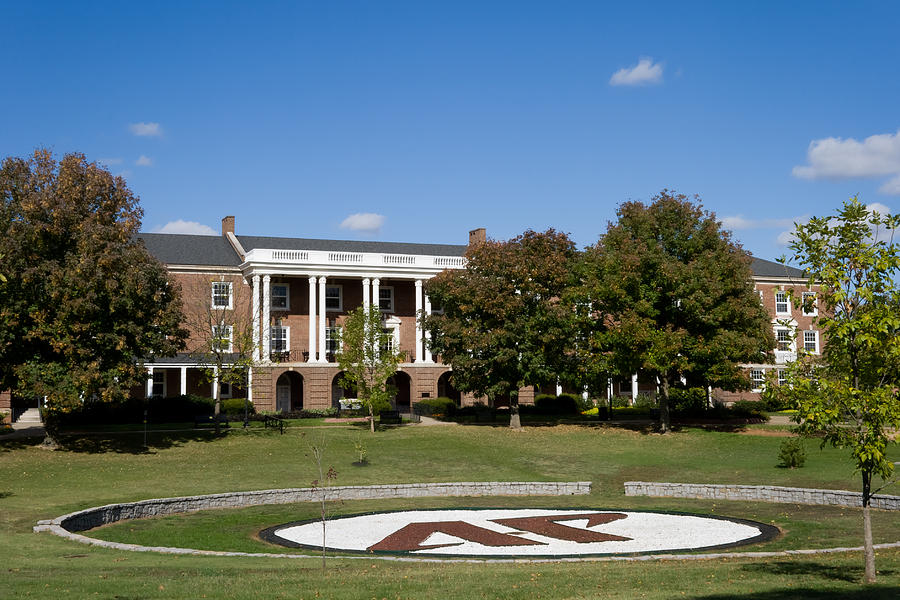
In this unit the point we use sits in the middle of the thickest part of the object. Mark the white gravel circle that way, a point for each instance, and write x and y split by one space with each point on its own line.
646 532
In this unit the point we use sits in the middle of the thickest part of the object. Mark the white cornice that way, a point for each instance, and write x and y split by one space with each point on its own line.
267 261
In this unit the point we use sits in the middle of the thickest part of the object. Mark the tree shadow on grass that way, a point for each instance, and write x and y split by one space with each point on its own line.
809 569
133 442
870 592
19 443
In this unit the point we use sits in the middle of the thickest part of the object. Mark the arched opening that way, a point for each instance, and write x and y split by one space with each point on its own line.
402 384
446 389
289 392
340 390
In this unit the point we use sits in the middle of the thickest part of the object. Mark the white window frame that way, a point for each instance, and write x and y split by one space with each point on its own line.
340 298
390 307
761 380
331 340
790 339
782 377
814 341
216 337
287 296
225 390
159 379
786 302
761 299
815 308
213 295
277 332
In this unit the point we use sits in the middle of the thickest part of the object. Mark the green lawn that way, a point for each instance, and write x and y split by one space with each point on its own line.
39 484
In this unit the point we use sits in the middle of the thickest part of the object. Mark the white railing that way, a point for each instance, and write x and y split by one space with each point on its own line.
784 356
353 259
290 255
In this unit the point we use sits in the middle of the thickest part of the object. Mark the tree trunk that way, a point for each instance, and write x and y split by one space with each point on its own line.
371 418
217 406
867 528
514 421
664 404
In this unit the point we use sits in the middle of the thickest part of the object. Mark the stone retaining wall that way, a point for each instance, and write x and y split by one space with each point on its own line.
763 493
102 515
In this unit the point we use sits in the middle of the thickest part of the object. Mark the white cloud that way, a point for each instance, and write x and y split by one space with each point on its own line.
643 73
739 222
185 227
891 187
144 161
838 158
145 129
109 161
878 207
366 222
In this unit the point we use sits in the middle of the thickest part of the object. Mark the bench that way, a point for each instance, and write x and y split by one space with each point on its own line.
275 422
389 417
210 420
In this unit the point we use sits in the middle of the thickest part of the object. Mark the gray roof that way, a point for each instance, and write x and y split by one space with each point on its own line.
180 249
768 268
249 242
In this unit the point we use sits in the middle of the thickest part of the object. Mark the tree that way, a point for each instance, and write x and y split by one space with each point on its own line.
84 303
368 357
671 294
848 396
221 328
504 324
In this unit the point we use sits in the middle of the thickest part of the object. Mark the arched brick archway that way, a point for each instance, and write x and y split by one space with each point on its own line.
446 389
340 390
403 384
289 392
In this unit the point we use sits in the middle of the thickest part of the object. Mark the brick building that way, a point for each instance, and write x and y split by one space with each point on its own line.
294 294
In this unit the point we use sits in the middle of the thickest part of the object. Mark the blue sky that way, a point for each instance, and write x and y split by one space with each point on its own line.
417 121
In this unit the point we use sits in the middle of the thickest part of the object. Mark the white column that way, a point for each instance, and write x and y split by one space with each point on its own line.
256 331
428 357
183 381
558 387
250 385
419 308
312 320
609 389
322 357
149 382
376 299
634 388
366 282
266 317
215 382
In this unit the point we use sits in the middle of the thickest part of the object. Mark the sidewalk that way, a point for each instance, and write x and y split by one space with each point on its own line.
24 430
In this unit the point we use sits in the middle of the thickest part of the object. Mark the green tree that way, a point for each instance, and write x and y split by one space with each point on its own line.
368 357
84 303
670 293
221 333
504 323
848 396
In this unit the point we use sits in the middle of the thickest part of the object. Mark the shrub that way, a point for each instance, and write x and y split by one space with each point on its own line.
235 406
690 401
620 401
792 453
435 406
645 401
748 409
564 404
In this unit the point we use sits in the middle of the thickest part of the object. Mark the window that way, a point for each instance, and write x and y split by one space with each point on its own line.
782 377
332 338
221 338
782 306
280 339
224 390
757 379
386 299
783 339
387 340
811 341
809 304
333 300
281 296
159 384
221 294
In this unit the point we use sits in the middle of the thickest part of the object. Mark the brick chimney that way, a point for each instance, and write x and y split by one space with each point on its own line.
228 225
477 236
